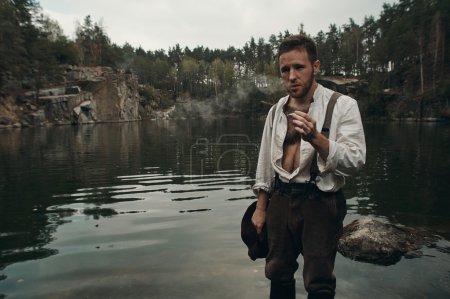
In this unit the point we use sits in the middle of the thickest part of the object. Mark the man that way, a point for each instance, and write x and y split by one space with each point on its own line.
307 208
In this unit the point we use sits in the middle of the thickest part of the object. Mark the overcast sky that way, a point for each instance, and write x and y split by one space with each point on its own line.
160 24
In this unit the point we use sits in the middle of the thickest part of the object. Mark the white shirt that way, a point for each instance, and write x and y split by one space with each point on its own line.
347 146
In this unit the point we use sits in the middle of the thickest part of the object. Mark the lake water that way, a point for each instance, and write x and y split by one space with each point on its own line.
153 209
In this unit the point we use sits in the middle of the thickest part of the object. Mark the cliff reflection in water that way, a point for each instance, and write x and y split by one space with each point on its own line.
161 199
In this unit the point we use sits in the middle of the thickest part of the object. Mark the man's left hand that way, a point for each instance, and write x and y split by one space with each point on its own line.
304 125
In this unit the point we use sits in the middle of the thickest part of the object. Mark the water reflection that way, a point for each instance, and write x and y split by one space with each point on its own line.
406 172
170 195
39 165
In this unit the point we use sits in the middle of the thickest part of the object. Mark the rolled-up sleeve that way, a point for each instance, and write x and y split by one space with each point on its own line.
347 146
265 173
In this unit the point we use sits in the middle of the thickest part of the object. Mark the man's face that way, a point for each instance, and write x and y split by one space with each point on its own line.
297 72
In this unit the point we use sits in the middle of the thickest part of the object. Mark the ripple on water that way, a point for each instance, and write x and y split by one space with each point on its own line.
153 191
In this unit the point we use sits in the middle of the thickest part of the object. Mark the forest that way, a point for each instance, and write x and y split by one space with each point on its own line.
403 52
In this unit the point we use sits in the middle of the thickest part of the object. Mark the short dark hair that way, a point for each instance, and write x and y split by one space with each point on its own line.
299 42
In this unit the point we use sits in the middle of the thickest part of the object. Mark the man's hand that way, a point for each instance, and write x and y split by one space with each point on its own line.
306 127
259 219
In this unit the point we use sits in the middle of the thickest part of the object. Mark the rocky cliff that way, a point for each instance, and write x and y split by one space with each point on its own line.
88 95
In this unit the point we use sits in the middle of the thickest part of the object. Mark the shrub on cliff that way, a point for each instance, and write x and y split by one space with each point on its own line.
157 99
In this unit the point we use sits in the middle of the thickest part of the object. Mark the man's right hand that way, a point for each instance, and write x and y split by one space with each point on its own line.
259 216
259 219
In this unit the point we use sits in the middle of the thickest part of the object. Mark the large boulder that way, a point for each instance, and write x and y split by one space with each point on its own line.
372 241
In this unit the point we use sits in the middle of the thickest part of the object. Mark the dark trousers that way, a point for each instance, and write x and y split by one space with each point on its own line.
306 224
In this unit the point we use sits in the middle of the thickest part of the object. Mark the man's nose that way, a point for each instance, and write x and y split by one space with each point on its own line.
292 75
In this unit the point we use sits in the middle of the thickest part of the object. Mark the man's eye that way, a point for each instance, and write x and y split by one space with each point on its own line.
284 69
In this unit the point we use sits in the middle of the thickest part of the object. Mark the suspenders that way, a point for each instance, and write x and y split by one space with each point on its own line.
314 171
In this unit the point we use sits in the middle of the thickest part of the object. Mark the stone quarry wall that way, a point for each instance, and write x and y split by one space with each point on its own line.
89 95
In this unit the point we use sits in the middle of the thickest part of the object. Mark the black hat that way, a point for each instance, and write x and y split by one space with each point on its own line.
257 244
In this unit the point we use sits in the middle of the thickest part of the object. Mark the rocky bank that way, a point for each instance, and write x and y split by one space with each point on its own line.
88 95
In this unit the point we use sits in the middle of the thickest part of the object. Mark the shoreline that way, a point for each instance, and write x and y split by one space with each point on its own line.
261 117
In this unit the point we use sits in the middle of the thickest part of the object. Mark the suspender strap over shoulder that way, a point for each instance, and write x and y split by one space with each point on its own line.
314 171
329 113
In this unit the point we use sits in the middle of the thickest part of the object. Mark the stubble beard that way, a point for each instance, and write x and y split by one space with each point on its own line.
307 87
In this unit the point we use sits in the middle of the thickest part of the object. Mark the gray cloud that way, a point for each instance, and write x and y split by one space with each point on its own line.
157 24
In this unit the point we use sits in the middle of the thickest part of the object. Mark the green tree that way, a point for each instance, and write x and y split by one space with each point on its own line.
330 51
324 54
188 73
370 35
18 36
350 49
222 75
175 55
92 42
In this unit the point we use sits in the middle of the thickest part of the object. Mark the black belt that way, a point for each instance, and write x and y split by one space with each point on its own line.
293 187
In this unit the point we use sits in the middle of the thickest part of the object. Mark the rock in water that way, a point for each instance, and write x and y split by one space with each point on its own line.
371 241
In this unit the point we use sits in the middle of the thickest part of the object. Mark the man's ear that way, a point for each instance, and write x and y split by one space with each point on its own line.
316 67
